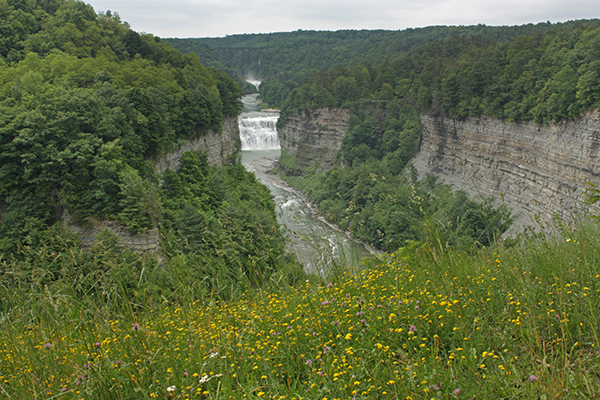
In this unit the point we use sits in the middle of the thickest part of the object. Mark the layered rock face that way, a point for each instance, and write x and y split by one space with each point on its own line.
142 242
314 136
217 145
537 169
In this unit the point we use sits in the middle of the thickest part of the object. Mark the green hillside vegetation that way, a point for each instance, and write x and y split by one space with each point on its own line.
544 77
449 312
210 58
86 104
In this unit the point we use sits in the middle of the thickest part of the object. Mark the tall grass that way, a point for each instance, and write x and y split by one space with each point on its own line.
424 322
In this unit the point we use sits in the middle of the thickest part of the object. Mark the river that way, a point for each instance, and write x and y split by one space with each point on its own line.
315 244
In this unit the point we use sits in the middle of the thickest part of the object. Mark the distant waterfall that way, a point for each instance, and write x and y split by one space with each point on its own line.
259 133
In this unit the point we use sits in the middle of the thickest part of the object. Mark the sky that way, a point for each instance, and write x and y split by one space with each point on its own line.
218 18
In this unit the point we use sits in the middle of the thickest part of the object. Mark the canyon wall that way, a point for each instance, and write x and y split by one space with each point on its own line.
538 169
314 136
218 146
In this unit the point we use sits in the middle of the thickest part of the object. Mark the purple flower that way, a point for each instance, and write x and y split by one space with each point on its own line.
363 321
456 392
48 345
97 344
416 307
308 362
86 366
399 301
64 389
326 349
360 314
136 326
324 303
533 378
330 284
418 302
185 374
320 373
412 328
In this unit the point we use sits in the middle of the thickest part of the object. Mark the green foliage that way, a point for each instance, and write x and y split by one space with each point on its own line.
221 224
424 322
85 102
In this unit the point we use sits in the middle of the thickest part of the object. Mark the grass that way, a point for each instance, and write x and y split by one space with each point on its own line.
425 322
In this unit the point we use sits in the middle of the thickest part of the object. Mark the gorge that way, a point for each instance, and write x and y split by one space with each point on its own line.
535 169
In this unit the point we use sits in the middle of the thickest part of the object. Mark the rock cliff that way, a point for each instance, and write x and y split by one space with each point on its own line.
312 137
217 145
537 169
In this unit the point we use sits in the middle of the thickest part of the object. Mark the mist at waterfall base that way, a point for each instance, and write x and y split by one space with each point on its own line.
315 245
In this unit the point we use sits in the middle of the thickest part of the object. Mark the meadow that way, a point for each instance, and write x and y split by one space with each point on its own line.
425 322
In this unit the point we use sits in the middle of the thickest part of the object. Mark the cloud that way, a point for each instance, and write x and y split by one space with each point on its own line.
202 18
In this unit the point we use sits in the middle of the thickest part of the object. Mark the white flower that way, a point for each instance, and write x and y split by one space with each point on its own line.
171 388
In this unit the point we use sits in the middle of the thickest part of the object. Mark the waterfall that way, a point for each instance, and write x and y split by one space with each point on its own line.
259 133
254 82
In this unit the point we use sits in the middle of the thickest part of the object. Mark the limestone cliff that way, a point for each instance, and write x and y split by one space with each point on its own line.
217 145
538 169
314 136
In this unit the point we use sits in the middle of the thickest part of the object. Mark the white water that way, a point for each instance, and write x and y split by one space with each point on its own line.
259 133
314 244
254 82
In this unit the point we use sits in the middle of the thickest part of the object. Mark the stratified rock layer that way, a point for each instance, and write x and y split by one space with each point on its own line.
217 145
314 136
538 169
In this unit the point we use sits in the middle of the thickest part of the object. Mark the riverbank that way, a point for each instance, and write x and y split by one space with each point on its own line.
266 165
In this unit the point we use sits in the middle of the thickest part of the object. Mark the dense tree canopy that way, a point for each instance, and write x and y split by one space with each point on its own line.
85 104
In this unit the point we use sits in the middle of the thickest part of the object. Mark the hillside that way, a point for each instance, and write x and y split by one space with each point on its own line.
87 108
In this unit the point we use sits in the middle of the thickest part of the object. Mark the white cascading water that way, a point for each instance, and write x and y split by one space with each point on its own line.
259 133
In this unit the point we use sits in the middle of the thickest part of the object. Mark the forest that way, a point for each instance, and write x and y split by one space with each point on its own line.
451 310
86 105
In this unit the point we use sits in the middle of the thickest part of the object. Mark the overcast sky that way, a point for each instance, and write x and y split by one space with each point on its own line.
217 18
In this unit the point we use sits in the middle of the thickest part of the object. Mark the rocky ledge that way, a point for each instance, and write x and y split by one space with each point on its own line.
312 137
537 169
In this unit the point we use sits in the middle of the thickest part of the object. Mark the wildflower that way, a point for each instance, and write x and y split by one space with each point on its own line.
63 389
363 321
360 314
97 344
185 374
533 378
48 345
456 392
330 284
308 362
171 388
412 328
326 349
324 303
136 326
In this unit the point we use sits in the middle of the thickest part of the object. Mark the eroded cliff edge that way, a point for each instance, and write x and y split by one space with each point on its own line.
314 136
538 169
